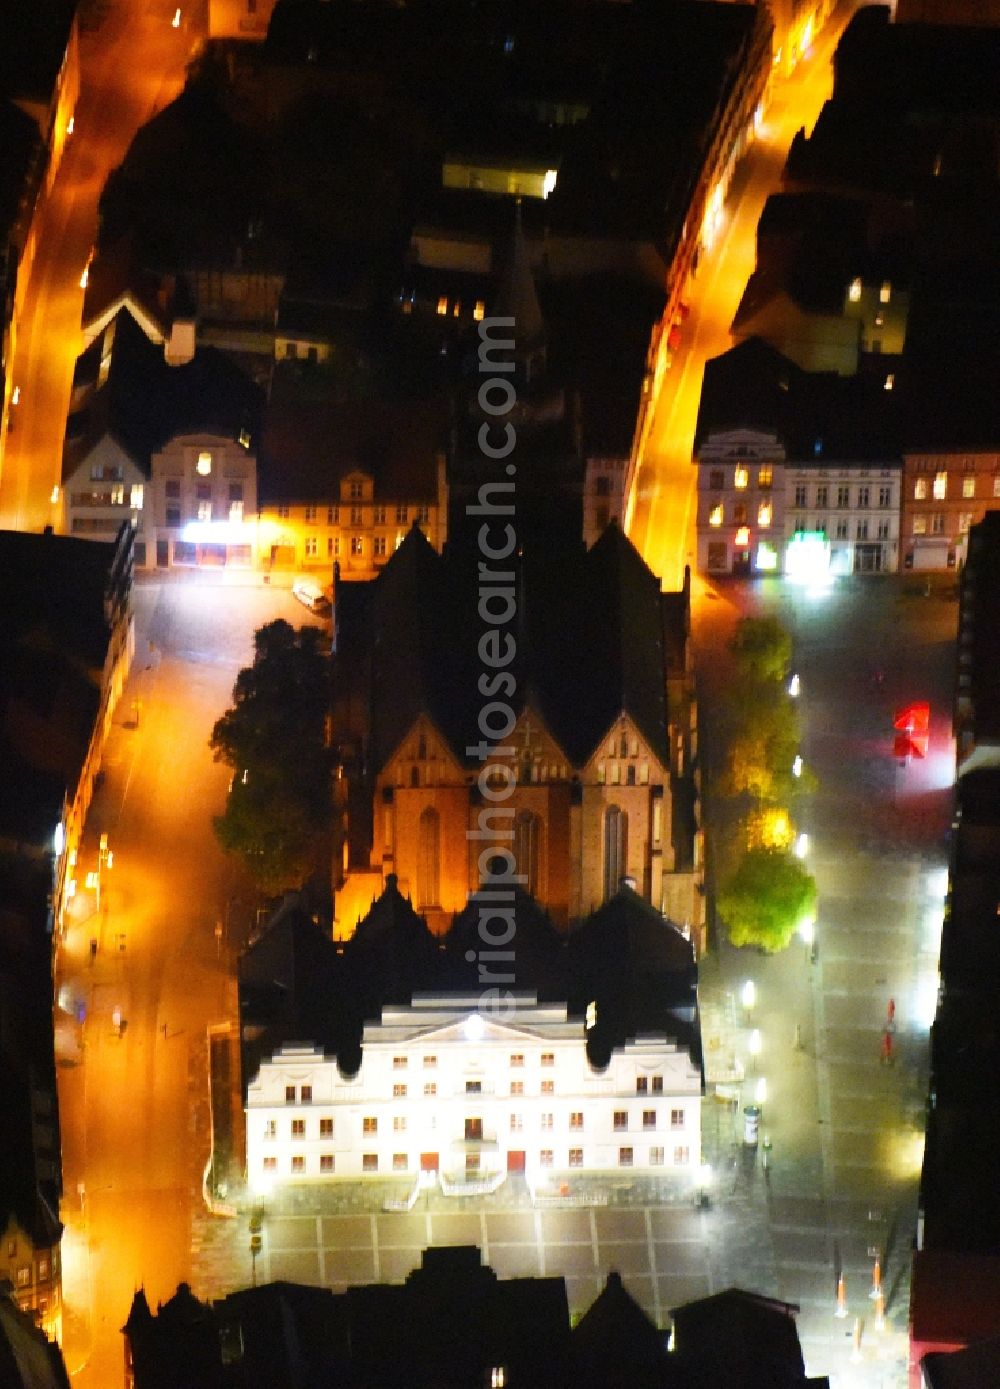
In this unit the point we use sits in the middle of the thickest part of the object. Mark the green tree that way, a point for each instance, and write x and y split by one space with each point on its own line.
274 739
766 899
763 649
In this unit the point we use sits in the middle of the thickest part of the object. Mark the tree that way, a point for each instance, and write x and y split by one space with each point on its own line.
763 649
767 899
274 739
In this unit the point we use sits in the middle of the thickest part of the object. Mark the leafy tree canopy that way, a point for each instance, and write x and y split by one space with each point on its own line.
763 649
274 738
767 899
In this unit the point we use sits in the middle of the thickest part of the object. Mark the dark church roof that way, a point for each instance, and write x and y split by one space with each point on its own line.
616 1346
590 644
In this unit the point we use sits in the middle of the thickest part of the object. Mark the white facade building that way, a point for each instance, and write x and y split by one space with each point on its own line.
856 506
741 496
204 501
463 1098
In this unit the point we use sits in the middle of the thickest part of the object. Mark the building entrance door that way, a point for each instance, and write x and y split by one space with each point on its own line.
515 1162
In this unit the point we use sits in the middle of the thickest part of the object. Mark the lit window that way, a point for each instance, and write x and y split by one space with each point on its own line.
204 511
548 1058
443 305
940 488
369 1124
624 1157
996 485
369 1162
920 490
920 525
545 1157
576 1157
576 1120
854 291
135 496
765 475
649 1118
326 1128
677 1118
741 476
399 1162
968 487
890 381
937 523
298 1165
236 511
548 1087
479 312
357 545
715 515
430 1062
270 1164
326 1162
964 521
399 1063
621 1118
399 1092
742 539
641 1085
517 1087
430 1088
298 1128
517 1059
885 293
204 464
306 1094
244 438
764 514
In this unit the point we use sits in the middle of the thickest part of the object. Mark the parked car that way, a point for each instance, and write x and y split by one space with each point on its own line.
311 595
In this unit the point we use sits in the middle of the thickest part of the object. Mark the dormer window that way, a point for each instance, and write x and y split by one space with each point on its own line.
204 465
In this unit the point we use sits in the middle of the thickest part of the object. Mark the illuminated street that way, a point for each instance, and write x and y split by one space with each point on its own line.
663 523
132 62
134 1113
846 1128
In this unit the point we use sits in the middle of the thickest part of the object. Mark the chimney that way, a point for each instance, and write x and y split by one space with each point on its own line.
179 345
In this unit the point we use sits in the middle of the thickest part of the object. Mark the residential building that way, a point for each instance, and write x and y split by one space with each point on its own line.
512 1332
466 1095
945 493
202 507
239 19
66 645
161 434
28 1358
343 483
798 472
740 519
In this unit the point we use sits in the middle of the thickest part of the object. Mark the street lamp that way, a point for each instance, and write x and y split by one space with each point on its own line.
797 766
802 845
760 1092
794 685
749 995
754 1045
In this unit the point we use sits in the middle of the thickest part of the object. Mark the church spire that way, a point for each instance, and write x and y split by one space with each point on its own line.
517 298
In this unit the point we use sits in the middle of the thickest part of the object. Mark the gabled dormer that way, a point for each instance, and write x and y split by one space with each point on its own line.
424 757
